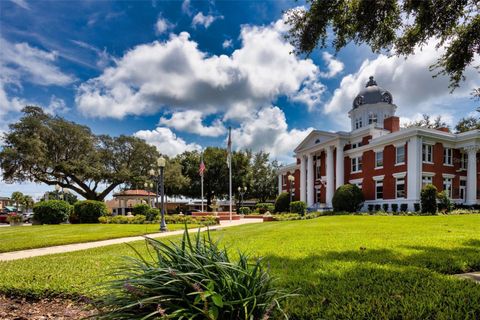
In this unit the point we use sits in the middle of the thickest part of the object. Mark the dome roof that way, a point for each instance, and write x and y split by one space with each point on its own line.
372 94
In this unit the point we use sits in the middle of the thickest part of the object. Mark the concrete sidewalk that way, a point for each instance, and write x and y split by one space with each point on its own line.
15 255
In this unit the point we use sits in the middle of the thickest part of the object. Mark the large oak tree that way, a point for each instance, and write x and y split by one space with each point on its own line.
51 150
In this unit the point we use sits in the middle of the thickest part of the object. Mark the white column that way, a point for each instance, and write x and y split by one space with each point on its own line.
279 183
123 204
472 175
310 180
339 173
303 179
414 170
330 176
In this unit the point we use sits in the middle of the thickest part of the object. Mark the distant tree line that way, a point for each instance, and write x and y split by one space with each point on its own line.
51 150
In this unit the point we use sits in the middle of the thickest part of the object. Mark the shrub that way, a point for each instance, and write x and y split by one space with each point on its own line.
370 208
377 207
348 198
190 280
140 209
404 207
298 207
264 207
51 212
152 214
394 207
428 198
138 219
282 203
119 219
416 207
88 211
244 210
385 207
444 203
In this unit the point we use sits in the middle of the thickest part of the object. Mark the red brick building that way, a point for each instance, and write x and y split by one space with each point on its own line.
390 164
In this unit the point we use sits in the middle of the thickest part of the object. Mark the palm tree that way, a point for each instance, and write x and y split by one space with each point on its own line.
17 197
28 202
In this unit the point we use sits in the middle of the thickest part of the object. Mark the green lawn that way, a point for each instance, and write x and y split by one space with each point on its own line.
28 237
343 267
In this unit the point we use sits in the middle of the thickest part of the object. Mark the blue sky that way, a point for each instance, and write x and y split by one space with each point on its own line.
178 73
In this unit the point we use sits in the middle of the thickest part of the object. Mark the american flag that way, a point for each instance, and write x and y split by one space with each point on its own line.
202 168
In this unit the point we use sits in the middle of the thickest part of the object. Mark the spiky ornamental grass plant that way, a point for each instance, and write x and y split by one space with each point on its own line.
191 280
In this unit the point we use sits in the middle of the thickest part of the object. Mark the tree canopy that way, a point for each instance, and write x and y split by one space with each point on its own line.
402 25
427 122
51 150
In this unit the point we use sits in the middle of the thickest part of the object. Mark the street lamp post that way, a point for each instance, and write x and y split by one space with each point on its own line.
159 179
242 191
291 180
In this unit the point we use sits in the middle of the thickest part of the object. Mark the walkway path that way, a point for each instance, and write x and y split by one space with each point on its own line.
475 276
14 255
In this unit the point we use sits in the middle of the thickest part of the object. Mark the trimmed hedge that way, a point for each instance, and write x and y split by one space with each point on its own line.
140 209
282 203
428 198
52 211
298 207
169 219
88 211
244 210
348 198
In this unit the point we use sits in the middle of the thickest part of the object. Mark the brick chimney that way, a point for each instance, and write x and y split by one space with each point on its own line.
392 124
444 129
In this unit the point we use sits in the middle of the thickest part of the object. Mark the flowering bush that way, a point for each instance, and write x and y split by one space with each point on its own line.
14 218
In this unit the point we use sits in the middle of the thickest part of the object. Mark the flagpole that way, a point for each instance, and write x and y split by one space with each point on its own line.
202 169
202 191
230 168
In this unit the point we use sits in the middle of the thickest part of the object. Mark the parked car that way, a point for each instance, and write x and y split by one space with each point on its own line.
27 217
5 212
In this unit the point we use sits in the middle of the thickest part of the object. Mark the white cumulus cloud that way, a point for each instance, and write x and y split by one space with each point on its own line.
204 20
410 82
227 43
191 121
175 75
162 25
166 141
267 130
334 66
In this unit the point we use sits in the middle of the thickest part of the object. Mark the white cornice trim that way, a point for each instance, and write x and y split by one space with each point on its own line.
378 178
428 174
400 174
448 175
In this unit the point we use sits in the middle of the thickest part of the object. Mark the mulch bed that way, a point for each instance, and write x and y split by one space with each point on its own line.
56 308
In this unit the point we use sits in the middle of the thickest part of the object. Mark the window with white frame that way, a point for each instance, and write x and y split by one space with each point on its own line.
400 154
447 186
448 156
379 159
358 123
378 190
463 161
427 153
318 174
356 144
372 118
400 187
357 164
426 180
